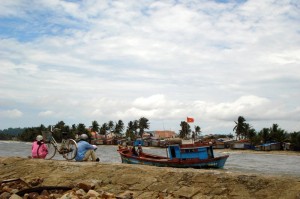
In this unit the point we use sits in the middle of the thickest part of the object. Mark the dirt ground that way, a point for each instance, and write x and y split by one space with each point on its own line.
150 182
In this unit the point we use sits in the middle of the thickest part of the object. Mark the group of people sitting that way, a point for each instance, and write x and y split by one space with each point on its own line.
85 151
132 149
137 152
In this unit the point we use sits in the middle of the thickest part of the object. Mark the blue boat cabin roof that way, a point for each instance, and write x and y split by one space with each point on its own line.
197 152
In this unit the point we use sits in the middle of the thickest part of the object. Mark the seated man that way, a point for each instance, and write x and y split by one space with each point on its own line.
140 150
134 152
85 151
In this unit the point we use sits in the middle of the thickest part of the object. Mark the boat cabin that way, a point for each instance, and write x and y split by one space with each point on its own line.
190 152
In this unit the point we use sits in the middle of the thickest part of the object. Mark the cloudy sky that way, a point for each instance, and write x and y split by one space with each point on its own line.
83 60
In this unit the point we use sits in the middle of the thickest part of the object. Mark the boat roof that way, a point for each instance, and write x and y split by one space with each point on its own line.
189 146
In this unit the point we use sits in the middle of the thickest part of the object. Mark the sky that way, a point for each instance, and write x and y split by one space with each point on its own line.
80 61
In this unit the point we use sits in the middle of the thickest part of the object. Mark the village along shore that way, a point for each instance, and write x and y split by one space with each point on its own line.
116 180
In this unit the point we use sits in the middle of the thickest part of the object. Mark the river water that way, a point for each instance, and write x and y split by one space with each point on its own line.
267 164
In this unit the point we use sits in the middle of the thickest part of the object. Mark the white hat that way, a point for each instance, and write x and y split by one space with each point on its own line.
84 136
39 138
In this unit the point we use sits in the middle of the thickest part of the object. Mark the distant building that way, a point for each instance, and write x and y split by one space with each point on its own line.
162 134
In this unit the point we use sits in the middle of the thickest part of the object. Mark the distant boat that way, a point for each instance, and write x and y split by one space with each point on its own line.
179 156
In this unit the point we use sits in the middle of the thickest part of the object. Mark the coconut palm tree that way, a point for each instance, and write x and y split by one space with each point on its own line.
264 134
185 129
143 124
135 127
95 126
81 128
110 126
197 131
103 129
130 132
240 128
277 134
119 127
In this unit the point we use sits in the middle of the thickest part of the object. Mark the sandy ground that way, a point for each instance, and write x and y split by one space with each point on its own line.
150 182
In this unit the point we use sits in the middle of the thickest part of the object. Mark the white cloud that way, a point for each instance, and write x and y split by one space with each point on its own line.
13 114
98 60
46 114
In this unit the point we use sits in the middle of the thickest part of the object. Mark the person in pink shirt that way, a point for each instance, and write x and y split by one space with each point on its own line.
39 148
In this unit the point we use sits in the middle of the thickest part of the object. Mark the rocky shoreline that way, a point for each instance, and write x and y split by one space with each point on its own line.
139 181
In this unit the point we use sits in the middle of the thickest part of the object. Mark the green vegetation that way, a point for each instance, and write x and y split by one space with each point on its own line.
10 133
244 130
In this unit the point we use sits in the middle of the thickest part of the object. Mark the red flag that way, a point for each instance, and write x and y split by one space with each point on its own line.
189 119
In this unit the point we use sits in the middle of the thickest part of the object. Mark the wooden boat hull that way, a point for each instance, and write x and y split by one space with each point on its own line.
153 160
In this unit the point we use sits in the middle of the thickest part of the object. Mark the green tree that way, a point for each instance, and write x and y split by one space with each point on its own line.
143 124
295 140
252 136
197 131
130 132
277 134
135 127
264 134
103 129
81 129
119 127
230 136
28 135
95 126
110 126
185 129
240 128
74 130
60 125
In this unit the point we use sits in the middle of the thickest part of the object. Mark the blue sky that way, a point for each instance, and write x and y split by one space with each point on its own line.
80 61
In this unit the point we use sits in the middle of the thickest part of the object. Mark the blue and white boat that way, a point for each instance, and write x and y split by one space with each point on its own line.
179 156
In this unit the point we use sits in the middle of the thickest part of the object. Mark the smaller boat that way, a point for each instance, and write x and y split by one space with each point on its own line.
179 156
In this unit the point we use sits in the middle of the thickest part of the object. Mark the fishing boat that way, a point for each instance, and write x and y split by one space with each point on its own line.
179 156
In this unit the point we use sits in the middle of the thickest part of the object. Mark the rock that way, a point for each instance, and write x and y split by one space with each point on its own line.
80 192
137 181
84 186
5 195
45 193
33 195
107 195
125 195
68 196
26 196
186 192
15 196
7 189
93 193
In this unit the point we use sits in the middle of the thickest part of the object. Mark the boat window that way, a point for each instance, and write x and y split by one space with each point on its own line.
189 150
173 154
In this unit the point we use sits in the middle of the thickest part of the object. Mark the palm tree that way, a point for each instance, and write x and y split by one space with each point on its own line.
295 140
119 127
240 128
264 134
95 126
143 124
135 127
103 129
197 131
185 129
130 130
81 128
277 134
110 126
